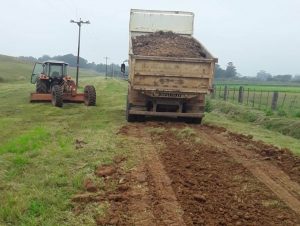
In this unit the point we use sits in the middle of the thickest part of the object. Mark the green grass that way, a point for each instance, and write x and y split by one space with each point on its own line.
280 131
30 141
264 86
40 167
258 132
288 103
275 122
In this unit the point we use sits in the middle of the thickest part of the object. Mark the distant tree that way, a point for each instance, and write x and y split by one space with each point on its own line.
296 78
230 71
28 58
263 76
44 58
219 72
83 63
282 78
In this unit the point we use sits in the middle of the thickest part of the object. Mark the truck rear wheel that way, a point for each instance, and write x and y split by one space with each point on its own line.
41 86
89 96
57 96
131 117
192 120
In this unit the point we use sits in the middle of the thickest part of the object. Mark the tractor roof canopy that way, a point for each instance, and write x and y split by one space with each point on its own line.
55 62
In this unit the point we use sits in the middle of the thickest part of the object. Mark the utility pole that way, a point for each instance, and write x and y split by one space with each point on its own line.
106 58
79 27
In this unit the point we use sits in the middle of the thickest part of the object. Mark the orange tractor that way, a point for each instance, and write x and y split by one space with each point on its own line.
54 84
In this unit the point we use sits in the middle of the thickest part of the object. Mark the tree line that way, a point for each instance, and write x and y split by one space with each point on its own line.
83 63
230 73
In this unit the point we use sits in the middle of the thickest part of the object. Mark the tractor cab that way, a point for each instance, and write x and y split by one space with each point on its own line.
49 70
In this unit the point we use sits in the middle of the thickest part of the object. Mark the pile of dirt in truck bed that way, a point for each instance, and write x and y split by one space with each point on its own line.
167 44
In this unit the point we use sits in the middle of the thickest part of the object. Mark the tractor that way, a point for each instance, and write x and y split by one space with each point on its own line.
54 84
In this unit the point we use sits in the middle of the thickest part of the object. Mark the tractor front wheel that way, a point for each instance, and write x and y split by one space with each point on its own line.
57 96
89 96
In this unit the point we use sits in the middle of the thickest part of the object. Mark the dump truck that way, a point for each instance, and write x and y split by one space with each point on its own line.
166 81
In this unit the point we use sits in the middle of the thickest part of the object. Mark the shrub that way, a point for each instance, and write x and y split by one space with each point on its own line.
208 106
281 112
297 114
269 112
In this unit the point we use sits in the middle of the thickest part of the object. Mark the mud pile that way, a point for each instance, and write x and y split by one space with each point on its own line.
167 44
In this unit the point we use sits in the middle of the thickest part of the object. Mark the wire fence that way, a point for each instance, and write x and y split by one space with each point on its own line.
260 99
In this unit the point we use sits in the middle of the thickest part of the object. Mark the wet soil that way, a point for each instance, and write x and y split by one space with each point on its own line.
167 44
204 176
214 189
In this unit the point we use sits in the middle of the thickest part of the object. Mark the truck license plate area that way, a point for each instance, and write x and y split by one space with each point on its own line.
168 94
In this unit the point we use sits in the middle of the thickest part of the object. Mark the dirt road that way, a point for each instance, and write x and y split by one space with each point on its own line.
204 175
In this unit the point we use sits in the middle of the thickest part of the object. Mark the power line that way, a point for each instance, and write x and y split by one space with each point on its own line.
79 23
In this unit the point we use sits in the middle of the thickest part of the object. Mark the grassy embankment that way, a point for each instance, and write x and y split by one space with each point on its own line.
40 167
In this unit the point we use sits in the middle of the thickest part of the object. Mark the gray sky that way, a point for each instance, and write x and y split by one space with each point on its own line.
254 34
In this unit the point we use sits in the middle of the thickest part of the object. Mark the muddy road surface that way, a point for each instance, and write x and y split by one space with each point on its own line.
204 175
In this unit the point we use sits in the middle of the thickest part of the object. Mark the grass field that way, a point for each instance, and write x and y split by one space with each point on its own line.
41 167
260 97
14 70
264 86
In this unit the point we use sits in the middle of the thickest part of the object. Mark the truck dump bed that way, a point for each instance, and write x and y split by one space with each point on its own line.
164 65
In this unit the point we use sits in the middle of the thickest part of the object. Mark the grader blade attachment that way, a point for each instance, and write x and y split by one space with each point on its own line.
47 97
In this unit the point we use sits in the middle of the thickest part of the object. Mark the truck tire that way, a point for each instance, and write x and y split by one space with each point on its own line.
192 120
57 96
129 117
41 86
89 95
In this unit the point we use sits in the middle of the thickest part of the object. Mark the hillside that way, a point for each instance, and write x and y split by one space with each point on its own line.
13 69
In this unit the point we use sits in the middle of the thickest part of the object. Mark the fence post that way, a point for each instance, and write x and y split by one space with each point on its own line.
283 100
233 95
225 92
293 102
268 99
253 98
248 96
241 94
274 100
260 98
213 93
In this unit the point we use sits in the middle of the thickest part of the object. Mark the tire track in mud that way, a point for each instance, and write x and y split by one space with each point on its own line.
212 182
274 178
164 208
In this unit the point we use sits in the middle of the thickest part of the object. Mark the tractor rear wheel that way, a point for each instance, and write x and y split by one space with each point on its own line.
89 95
57 96
41 86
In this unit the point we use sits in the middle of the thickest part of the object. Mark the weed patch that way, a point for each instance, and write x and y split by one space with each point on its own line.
30 141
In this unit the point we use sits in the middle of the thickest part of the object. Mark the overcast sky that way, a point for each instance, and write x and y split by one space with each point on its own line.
254 35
